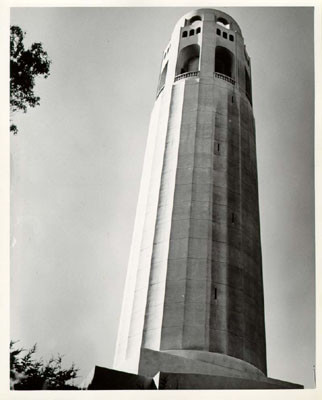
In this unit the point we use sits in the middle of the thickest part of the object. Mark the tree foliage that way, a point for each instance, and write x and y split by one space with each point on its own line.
26 373
25 65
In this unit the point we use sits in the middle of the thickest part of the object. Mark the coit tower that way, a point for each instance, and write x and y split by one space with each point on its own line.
194 288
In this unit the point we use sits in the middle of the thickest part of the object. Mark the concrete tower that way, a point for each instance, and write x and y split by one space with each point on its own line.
193 299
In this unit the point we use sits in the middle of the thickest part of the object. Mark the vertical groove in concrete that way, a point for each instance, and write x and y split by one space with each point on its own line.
189 104
241 223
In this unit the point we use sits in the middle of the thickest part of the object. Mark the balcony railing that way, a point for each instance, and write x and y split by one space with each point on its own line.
224 77
186 75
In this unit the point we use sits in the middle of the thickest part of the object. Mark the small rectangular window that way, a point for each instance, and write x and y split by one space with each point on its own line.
198 30
231 38
192 32
224 34
232 99
215 293
218 32
218 147
185 34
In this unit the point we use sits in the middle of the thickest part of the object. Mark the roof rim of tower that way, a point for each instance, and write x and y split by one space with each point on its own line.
202 11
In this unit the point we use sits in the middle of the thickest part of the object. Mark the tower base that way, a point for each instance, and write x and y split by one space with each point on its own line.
185 369
193 369
173 381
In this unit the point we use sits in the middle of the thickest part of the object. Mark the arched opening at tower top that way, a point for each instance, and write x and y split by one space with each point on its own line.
248 86
223 22
188 59
224 62
192 20
163 76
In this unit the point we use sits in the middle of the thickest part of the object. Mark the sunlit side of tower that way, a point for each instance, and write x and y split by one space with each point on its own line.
194 287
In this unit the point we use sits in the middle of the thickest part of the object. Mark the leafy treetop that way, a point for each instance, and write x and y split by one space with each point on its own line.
25 65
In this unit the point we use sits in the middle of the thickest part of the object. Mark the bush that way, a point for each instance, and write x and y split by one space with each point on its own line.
26 373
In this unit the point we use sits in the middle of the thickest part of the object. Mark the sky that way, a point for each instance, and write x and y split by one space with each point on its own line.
77 160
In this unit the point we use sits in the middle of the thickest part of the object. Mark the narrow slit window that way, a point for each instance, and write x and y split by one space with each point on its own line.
192 32
224 34
218 147
185 34
198 30
218 32
231 38
215 293
233 218
232 99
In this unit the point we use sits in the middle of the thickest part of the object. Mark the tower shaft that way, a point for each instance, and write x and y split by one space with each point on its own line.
194 286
